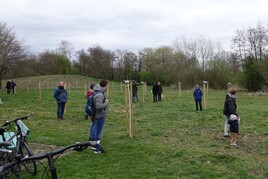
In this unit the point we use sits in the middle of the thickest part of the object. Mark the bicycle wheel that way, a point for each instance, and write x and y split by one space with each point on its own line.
12 173
25 152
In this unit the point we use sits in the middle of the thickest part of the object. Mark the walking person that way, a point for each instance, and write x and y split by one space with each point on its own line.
8 86
160 91
155 92
231 116
61 96
98 121
198 97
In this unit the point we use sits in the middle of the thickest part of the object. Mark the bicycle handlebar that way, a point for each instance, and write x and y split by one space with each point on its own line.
20 118
79 146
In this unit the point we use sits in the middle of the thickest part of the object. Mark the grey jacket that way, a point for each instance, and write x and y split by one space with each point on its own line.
101 106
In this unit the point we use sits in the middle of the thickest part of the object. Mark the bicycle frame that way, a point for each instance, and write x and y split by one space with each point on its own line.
79 146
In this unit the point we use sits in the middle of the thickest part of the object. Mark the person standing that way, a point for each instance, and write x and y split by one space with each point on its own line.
155 92
13 85
231 116
61 96
98 121
198 97
135 91
160 91
8 86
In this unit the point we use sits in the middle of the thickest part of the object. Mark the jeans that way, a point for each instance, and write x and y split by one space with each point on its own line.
97 128
135 97
60 111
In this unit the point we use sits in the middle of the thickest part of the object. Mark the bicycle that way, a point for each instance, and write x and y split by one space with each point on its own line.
19 144
79 146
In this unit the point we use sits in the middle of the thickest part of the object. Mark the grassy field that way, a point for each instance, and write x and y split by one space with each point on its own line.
171 139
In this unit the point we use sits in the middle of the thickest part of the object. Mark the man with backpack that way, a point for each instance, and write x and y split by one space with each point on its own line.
60 94
100 104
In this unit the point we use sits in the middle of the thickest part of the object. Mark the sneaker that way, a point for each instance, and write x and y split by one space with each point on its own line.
226 136
233 143
101 150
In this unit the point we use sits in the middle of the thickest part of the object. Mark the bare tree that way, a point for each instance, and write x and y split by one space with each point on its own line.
11 50
257 38
239 45
65 48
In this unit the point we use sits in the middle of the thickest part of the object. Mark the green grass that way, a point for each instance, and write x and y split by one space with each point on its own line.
171 139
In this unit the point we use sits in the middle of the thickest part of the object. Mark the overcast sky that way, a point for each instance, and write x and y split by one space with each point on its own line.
128 24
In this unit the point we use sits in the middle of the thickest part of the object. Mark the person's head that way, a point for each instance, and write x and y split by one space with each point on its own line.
61 84
232 92
197 86
104 84
92 86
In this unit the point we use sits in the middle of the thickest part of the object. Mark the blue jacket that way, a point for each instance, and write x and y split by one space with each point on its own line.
60 94
198 94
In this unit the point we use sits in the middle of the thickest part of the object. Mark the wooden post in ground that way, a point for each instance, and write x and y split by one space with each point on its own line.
129 108
179 88
40 90
228 87
205 94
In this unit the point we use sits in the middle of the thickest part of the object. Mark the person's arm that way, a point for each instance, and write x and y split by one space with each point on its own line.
56 95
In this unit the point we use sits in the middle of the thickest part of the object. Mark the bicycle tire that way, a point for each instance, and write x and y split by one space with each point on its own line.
25 151
12 173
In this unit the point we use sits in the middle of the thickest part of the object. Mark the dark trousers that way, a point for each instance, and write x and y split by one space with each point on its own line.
159 97
155 97
60 111
196 105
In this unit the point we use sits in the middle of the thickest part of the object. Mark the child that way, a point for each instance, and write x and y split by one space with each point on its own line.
234 127
90 92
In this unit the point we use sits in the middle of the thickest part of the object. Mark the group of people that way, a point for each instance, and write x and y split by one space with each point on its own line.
10 86
232 118
157 92
101 110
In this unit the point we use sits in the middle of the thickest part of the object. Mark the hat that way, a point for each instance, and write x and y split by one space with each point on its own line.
232 91
92 86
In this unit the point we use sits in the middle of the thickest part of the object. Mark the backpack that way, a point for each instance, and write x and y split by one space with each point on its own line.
90 109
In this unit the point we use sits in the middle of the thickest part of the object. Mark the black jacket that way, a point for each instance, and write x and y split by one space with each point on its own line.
229 106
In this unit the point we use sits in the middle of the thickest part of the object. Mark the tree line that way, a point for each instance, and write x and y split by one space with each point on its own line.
189 61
